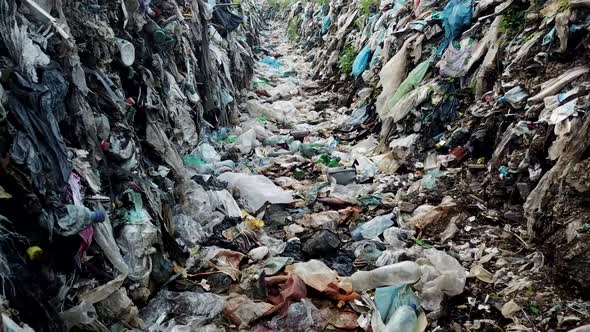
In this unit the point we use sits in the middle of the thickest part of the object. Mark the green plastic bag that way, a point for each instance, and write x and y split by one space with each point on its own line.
414 79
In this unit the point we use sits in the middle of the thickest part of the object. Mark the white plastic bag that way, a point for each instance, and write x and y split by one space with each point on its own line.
255 190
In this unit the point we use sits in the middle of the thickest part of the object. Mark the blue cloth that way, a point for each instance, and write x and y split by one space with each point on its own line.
361 61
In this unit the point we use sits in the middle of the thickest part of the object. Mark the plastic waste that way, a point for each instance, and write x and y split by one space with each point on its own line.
361 61
273 265
77 218
342 175
325 219
396 237
213 168
126 51
255 190
392 75
442 275
454 62
188 308
300 317
8 325
103 236
367 252
314 273
374 227
389 299
456 18
326 22
247 141
321 242
563 112
241 310
403 320
403 273
553 102
515 97
410 83
136 243
271 61
554 85
206 153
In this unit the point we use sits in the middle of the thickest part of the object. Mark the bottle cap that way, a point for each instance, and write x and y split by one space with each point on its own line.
99 215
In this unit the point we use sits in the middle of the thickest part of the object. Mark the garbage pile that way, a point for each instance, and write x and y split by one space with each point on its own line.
471 116
309 166
102 104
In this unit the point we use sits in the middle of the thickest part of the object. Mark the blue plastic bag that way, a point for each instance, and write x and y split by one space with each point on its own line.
389 299
326 24
361 61
456 17
271 61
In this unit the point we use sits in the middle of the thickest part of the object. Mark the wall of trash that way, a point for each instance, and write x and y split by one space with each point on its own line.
134 195
102 104
495 90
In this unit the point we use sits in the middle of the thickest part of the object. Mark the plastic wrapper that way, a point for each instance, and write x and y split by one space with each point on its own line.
300 317
136 243
187 308
103 235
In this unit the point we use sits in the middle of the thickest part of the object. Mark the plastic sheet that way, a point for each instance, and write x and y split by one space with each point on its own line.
187 308
255 190
136 243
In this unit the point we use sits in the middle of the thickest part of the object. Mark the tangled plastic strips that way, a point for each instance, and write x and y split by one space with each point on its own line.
7 237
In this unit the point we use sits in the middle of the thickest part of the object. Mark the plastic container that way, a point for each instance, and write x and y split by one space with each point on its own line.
126 51
373 228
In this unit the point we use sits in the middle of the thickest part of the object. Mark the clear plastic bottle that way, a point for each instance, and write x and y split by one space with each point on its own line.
402 273
403 320
373 228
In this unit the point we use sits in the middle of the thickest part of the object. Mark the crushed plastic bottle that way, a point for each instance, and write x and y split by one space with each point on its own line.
78 218
403 273
373 228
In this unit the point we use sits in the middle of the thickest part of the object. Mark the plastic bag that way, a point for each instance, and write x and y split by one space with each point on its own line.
390 299
188 308
255 190
456 18
207 153
454 62
247 141
103 235
300 317
326 24
314 273
271 61
361 61
414 79
442 274
136 243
